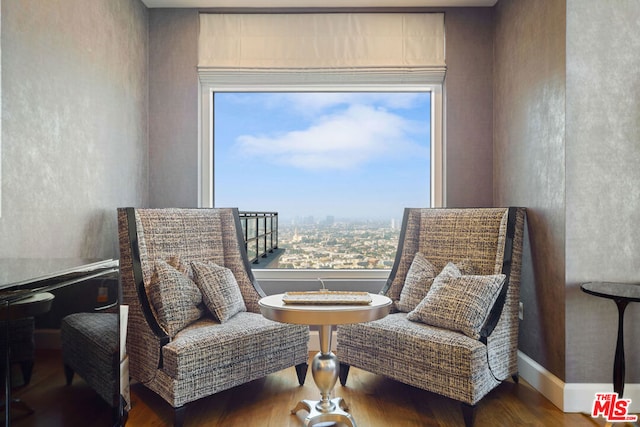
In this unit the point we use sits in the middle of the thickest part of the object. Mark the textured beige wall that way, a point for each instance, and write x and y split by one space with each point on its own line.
567 132
173 107
469 107
529 161
0 109
603 181
74 124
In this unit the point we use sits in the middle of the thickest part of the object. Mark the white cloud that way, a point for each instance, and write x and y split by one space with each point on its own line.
344 140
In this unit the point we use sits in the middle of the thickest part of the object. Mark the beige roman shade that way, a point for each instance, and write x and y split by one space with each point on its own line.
323 41
319 52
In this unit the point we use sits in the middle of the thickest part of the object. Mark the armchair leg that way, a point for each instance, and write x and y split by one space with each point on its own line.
468 414
301 371
179 415
117 416
120 413
344 373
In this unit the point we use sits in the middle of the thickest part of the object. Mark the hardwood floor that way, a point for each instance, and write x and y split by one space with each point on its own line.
54 404
374 401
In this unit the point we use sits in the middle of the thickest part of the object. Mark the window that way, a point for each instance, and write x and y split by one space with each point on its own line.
337 167
262 173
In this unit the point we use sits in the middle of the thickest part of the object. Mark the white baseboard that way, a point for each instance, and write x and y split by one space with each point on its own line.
570 397
542 380
579 397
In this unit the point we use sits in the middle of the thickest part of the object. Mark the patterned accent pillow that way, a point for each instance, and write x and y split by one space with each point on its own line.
220 290
176 300
450 269
459 303
417 283
181 265
466 267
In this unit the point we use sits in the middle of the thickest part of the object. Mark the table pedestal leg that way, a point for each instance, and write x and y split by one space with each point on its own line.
618 364
325 369
7 372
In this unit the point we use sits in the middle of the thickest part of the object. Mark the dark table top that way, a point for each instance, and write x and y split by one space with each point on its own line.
22 277
16 272
613 290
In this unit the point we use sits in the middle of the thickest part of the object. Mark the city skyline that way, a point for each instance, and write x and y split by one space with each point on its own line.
337 245
347 155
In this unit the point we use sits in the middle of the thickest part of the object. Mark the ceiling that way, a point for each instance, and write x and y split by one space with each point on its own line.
316 3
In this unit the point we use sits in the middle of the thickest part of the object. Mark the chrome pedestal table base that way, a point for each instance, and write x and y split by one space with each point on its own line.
337 413
325 369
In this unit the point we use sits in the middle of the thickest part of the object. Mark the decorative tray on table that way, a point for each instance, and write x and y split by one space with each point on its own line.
327 297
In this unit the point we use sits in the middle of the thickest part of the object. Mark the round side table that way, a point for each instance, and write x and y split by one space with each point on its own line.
325 367
622 294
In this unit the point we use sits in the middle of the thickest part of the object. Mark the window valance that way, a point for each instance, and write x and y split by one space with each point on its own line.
322 41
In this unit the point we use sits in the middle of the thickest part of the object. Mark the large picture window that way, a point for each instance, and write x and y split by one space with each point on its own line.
258 157
336 168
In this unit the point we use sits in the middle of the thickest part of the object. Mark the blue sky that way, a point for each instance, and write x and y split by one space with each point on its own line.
350 155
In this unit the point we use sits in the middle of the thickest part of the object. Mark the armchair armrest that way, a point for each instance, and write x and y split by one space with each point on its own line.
139 283
496 311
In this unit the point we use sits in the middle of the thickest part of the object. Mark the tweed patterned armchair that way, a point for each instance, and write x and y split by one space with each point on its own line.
441 359
185 352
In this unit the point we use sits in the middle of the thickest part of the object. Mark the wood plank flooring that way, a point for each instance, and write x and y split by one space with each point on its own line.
54 404
374 402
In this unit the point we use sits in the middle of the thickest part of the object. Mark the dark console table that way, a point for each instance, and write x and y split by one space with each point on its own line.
622 294
23 281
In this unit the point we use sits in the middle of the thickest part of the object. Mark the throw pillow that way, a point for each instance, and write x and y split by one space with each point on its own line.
176 300
220 291
466 267
181 265
417 283
449 270
459 303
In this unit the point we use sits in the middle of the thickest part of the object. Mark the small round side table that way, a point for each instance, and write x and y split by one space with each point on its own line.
622 294
325 367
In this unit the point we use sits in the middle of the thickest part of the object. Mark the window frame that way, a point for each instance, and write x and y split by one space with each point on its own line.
216 80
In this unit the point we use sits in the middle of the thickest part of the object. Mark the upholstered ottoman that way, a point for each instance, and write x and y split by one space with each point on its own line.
90 348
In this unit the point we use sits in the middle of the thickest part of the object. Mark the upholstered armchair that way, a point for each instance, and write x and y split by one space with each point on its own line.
194 325
455 286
